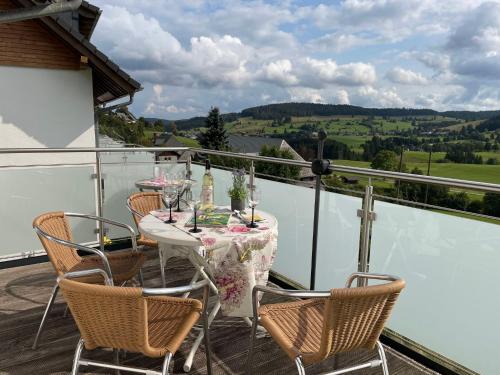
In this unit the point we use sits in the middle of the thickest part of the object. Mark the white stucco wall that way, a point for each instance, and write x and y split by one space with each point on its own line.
46 108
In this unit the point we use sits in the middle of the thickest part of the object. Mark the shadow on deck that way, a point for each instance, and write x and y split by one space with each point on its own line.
24 292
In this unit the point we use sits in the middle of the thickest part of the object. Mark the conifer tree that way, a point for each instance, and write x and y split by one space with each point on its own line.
215 137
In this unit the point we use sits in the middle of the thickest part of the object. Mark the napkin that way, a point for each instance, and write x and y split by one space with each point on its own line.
257 218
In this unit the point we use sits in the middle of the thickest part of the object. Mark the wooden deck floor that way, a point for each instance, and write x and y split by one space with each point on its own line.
24 292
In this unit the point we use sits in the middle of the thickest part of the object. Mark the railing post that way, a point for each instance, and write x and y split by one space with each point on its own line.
319 167
367 217
100 182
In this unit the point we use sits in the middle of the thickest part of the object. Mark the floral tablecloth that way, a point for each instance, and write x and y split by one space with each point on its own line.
237 258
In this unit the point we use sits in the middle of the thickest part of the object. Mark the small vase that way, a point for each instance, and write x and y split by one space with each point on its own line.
237 204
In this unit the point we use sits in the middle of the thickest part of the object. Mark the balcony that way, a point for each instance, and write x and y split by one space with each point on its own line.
448 260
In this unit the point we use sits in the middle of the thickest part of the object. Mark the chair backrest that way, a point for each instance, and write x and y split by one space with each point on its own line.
355 317
107 316
122 318
143 203
55 224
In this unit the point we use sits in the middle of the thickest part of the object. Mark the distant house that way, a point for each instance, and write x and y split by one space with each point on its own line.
253 145
52 81
169 140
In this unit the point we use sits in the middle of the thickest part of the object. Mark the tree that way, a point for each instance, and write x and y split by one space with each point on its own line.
437 195
215 137
117 128
158 125
491 204
274 169
386 160
173 126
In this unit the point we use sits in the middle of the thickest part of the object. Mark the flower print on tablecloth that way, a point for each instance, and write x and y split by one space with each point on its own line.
232 283
245 247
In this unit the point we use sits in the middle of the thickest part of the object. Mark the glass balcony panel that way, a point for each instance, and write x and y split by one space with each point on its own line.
293 206
121 171
29 192
450 264
338 239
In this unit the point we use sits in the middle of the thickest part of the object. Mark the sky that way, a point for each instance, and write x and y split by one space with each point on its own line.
191 55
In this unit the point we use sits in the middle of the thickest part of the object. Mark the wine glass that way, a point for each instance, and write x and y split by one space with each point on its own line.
194 204
181 185
169 195
253 201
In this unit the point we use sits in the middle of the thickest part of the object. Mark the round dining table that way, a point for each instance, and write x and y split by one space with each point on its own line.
233 258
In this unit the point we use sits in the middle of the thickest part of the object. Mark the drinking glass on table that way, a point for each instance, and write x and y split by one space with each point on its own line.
169 195
253 200
194 204
181 185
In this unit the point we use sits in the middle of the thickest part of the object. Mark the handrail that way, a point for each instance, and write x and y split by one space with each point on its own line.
450 182
59 150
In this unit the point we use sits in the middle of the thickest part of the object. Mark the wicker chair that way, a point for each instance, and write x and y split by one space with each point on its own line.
322 324
140 205
146 321
55 234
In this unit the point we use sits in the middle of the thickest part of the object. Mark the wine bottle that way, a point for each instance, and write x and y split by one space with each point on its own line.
207 189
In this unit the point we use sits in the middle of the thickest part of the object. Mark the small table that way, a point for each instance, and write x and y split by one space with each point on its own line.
233 259
149 184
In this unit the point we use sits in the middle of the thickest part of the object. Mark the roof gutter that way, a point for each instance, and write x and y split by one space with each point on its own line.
59 6
116 106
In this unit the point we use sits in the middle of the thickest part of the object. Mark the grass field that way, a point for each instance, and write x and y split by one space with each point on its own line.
460 126
472 172
334 125
188 142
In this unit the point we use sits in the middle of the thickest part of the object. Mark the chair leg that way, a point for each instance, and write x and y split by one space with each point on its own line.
253 333
208 349
194 279
66 311
116 355
45 315
166 363
76 359
381 353
162 269
300 366
141 278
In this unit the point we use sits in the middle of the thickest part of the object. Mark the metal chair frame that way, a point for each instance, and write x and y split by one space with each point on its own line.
151 292
160 254
101 254
362 278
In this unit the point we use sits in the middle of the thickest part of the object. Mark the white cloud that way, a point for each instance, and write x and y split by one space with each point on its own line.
279 72
339 42
303 94
439 62
372 97
192 54
319 73
405 76
154 55
341 97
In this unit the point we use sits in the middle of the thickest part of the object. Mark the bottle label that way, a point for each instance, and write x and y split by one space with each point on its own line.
207 198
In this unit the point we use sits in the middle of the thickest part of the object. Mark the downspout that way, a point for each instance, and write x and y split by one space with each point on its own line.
23 14
98 169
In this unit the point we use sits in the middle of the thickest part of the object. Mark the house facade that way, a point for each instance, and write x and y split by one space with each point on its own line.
169 140
51 80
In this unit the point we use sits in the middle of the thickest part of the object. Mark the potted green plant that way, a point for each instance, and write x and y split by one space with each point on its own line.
238 192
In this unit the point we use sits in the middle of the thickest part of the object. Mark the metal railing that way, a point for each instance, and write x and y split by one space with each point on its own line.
366 213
